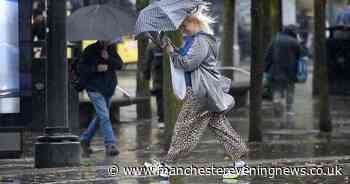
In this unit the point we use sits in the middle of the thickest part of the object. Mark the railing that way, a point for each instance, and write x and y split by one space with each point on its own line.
246 72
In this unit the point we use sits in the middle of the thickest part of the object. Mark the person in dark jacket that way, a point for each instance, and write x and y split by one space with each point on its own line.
154 68
281 61
97 71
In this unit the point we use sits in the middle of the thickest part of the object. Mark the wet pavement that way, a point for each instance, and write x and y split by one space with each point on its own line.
288 141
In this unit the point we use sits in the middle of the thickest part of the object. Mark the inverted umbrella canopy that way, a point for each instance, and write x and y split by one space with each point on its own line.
164 15
100 22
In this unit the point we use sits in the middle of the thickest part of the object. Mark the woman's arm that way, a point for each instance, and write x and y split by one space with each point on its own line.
194 57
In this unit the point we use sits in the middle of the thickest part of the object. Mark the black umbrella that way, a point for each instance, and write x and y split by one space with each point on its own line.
100 22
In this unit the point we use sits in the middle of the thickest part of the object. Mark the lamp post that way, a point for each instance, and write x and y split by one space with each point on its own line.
57 147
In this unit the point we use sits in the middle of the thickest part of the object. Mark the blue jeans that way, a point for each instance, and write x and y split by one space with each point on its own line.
102 105
287 93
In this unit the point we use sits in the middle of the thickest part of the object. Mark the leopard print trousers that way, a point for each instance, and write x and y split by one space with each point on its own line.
191 124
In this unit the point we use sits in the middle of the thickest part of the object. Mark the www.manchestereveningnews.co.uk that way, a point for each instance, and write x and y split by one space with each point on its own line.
218 171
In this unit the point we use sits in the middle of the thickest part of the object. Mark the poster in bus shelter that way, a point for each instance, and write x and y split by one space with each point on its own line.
9 54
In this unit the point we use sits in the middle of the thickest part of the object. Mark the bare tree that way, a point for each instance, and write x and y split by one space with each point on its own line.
172 105
273 19
321 64
143 86
228 36
276 15
257 68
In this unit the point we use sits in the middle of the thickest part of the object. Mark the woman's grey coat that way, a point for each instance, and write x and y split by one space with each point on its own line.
206 79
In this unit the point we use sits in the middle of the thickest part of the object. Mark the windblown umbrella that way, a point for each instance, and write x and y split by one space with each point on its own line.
165 15
100 22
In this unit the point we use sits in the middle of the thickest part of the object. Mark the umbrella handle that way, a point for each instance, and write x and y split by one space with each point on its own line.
169 42
160 43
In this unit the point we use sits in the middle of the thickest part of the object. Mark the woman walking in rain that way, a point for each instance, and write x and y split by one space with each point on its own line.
207 99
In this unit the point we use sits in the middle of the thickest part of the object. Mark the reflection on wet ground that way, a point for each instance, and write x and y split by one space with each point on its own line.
285 137
99 177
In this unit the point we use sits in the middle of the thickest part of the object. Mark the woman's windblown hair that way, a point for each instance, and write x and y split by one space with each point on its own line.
201 15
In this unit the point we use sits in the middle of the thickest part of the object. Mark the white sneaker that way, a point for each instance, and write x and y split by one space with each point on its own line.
159 168
161 125
239 163
236 164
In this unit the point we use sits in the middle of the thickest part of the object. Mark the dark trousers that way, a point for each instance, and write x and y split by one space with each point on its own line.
159 99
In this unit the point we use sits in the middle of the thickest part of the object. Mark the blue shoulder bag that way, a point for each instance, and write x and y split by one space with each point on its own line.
302 71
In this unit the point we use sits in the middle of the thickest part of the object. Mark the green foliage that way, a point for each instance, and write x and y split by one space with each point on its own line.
141 4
